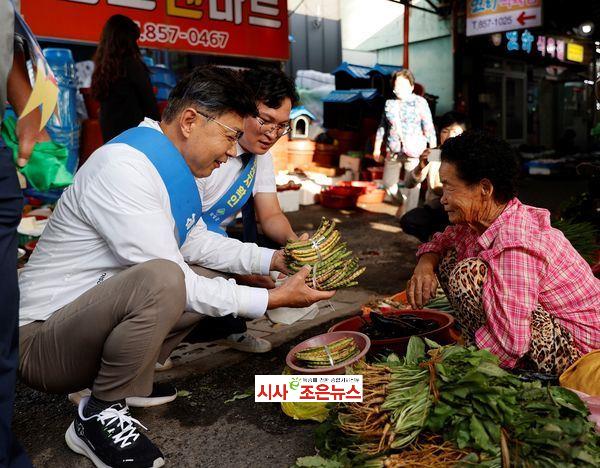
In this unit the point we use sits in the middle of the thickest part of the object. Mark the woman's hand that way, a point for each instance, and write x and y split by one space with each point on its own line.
422 286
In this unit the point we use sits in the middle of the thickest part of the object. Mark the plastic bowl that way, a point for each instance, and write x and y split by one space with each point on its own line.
444 334
369 192
339 197
362 341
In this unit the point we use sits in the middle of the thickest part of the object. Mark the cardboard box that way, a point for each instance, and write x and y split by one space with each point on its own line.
289 200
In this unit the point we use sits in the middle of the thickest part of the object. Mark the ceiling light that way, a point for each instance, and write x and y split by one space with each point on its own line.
586 28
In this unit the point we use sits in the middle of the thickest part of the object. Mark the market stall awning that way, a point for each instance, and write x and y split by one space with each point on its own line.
351 95
355 71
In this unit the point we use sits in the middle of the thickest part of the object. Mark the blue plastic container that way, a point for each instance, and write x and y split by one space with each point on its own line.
149 61
164 80
65 129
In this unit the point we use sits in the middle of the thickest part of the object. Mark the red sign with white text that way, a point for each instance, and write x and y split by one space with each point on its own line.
249 28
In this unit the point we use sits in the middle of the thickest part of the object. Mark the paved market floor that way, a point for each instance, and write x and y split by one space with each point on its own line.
201 430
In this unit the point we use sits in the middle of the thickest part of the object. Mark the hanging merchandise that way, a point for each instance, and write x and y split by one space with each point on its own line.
46 169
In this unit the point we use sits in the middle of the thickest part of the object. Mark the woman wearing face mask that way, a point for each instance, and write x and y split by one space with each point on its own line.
408 129
518 286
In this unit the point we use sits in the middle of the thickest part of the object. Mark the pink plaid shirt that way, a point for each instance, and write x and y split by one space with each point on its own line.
529 263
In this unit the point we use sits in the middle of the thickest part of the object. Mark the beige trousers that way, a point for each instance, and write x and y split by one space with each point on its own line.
110 337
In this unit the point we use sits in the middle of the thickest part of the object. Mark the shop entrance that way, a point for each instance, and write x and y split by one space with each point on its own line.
504 101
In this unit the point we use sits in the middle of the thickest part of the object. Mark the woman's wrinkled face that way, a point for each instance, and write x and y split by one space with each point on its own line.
402 88
464 203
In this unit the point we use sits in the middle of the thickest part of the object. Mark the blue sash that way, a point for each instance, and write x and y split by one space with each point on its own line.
179 181
233 200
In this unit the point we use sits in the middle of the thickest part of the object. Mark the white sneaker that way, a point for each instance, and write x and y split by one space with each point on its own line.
162 393
168 364
246 342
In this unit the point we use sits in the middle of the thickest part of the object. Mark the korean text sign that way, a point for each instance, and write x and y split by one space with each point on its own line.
308 388
491 16
249 28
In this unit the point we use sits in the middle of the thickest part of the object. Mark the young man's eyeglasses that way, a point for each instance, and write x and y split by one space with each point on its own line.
238 133
273 128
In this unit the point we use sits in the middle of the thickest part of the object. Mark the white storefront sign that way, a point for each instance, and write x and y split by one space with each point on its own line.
491 16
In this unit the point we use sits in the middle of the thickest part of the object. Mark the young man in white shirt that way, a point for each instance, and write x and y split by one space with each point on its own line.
108 291
275 95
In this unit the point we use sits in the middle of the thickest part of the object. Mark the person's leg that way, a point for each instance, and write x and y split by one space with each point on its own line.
11 205
109 338
410 195
552 349
391 176
418 223
463 283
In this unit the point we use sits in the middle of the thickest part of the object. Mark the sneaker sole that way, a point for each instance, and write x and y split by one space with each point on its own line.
144 402
134 402
239 347
76 397
79 446
163 367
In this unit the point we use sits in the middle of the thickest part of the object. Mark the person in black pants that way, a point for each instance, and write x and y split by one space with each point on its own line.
14 87
121 80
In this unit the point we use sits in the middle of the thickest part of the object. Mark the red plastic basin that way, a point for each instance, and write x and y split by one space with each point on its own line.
369 191
338 197
442 335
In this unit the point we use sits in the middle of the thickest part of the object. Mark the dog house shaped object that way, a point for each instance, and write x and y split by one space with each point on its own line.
301 119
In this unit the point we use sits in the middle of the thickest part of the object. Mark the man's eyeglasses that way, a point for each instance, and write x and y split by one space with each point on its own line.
238 133
272 128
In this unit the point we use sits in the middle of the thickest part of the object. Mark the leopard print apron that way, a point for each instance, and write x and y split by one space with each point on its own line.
551 350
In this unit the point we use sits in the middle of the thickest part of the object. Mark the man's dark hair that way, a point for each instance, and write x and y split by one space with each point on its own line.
270 86
452 118
404 73
477 156
215 90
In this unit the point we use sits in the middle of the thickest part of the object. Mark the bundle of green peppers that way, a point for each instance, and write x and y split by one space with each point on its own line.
332 265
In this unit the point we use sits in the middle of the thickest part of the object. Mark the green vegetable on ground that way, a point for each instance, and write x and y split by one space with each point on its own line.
459 402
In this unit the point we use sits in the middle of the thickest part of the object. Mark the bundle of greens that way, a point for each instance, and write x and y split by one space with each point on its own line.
485 415
329 355
390 416
440 302
330 260
483 407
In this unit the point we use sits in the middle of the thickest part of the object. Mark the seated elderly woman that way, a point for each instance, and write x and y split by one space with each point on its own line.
518 286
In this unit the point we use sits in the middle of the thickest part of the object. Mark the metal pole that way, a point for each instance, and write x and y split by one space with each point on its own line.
406 31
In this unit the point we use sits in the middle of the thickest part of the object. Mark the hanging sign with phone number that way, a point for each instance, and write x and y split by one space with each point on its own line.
491 16
169 34
250 28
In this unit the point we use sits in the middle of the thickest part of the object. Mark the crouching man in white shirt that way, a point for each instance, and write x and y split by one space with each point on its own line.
108 291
